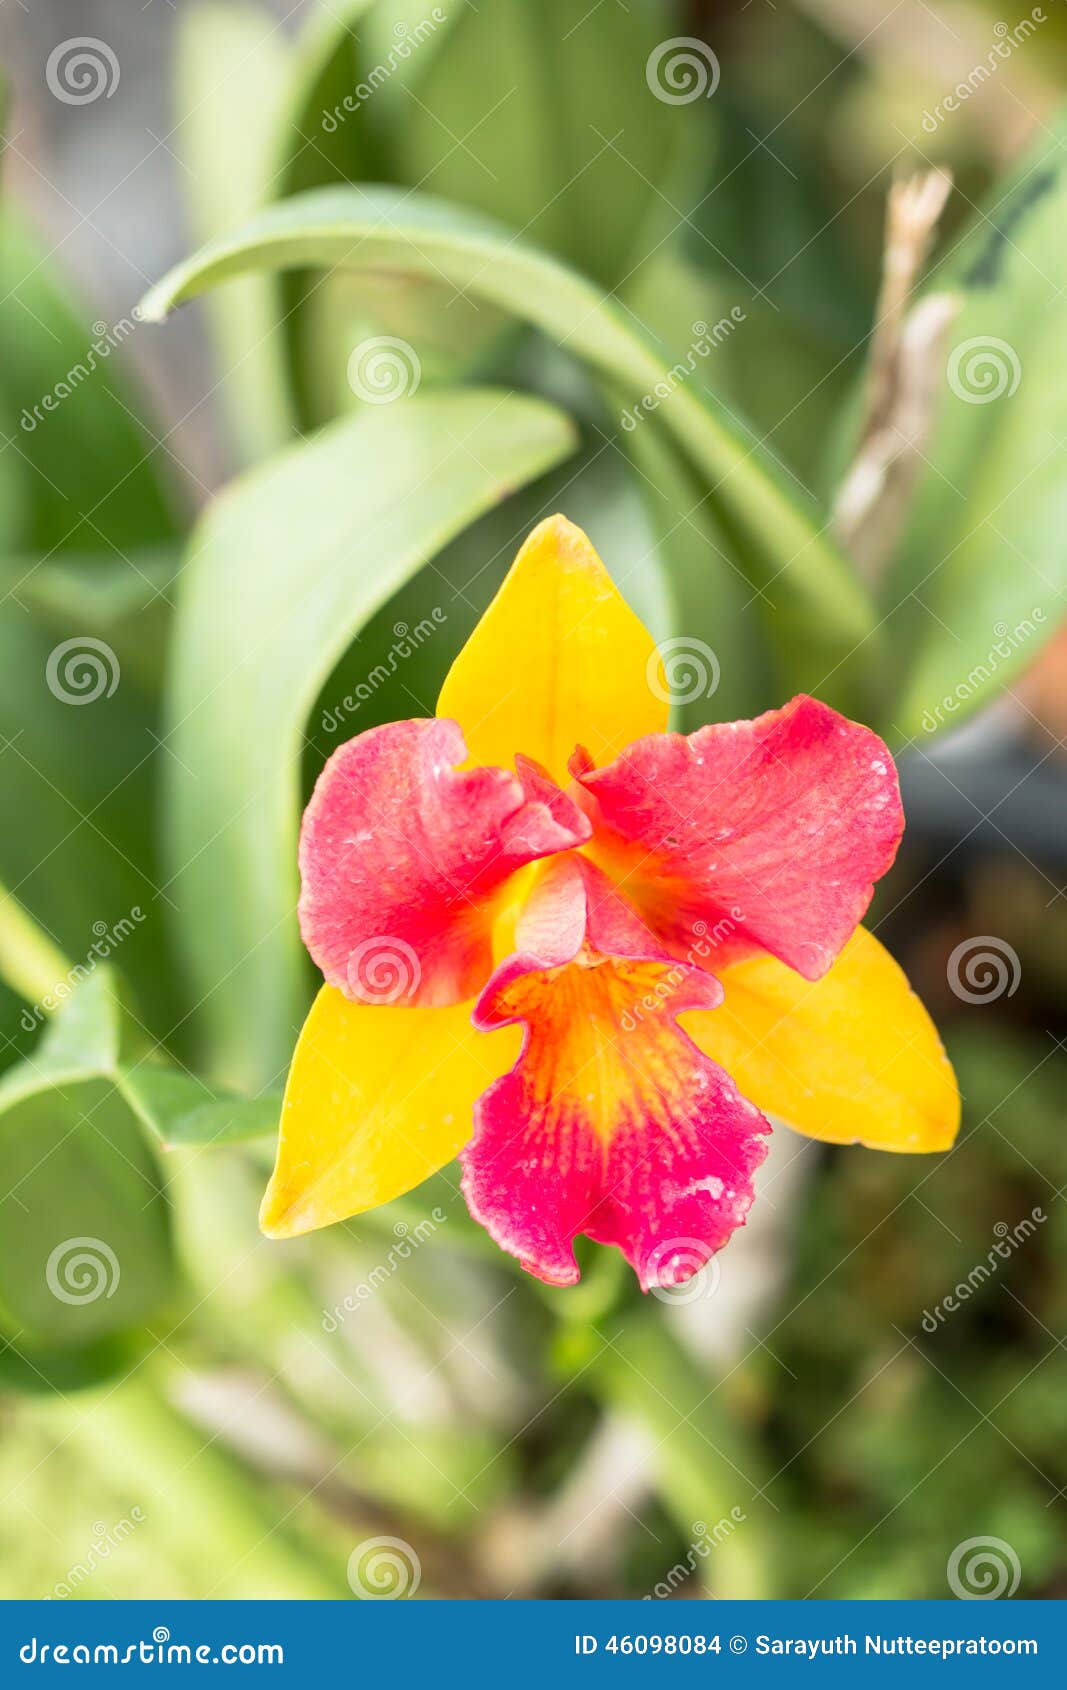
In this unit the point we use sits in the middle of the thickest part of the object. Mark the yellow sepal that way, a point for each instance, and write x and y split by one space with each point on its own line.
851 1058
558 659
378 1099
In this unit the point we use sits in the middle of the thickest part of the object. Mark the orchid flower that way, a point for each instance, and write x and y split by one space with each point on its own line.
591 956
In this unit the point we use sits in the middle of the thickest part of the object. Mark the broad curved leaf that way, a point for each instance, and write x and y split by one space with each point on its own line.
85 1238
84 1227
550 142
816 606
284 571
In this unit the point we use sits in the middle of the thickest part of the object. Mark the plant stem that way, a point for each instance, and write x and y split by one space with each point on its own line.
707 1465
29 962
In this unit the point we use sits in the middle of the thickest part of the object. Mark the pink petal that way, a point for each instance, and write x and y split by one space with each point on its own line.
761 835
612 1123
402 855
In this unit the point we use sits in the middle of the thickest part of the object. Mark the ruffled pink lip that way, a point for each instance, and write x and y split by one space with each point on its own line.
656 1158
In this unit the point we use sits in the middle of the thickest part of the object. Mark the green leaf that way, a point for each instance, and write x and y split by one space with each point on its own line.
180 1109
978 584
320 139
719 664
84 1038
227 129
84 1230
122 600
285 570
353 64
78 768
90 473
47 1369
817 609
77 1179
564 142
85 1250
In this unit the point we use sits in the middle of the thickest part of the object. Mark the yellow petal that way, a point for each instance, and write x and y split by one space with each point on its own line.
378 1098
851 1058
558 659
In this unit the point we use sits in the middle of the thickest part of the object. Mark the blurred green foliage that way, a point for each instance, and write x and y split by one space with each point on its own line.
896 1442
538 242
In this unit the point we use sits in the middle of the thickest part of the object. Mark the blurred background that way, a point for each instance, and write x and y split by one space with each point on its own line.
874 1375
